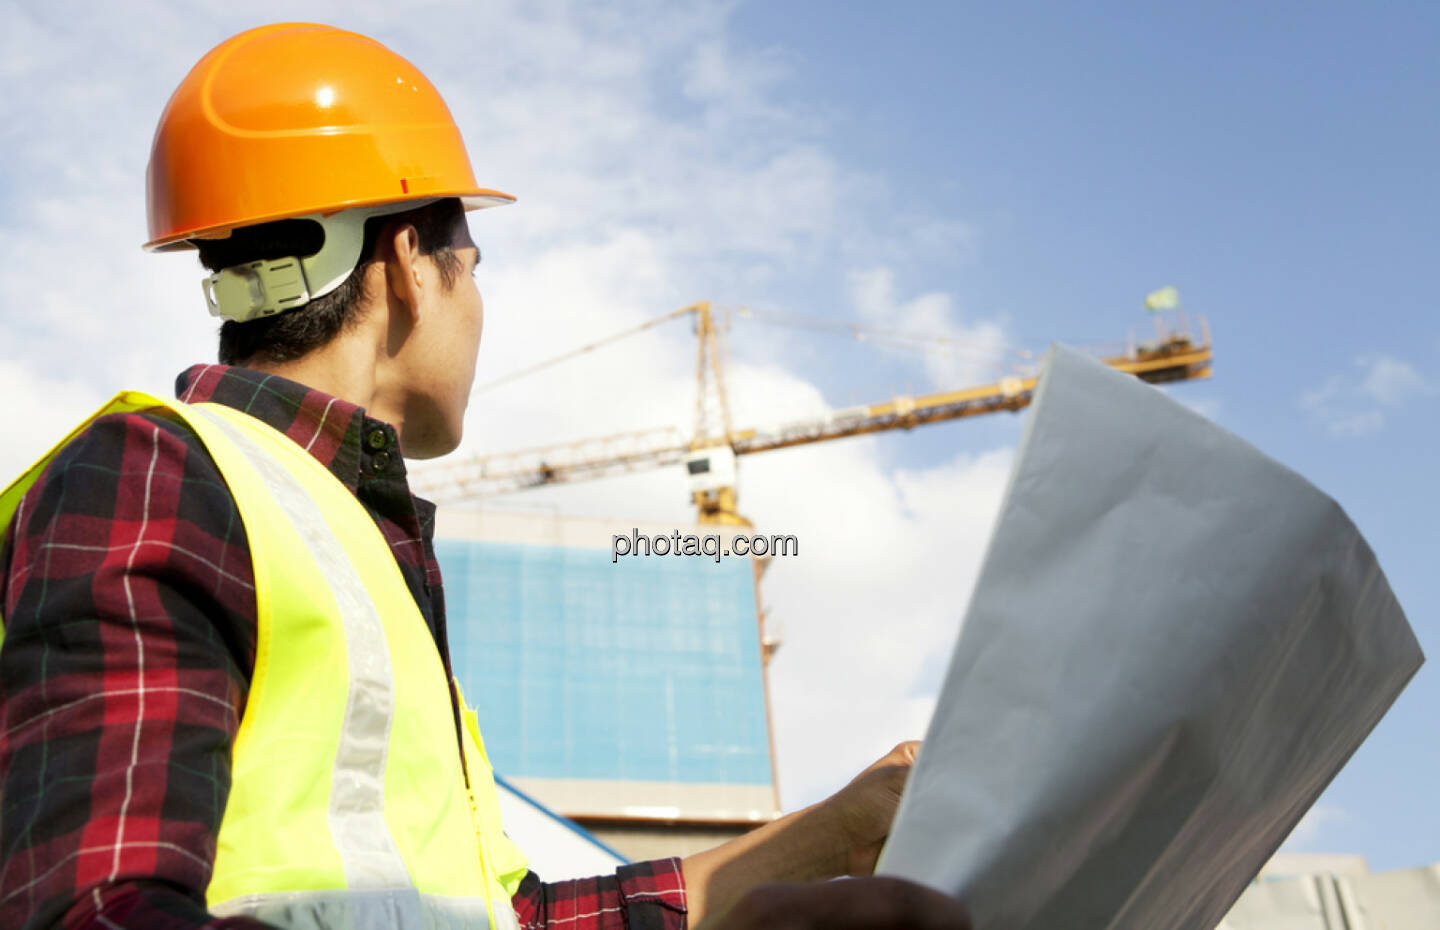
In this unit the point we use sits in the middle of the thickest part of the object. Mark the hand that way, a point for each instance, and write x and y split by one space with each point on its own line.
850 904
841 834
865 808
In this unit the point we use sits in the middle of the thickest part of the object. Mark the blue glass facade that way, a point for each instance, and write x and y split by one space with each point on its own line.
645 670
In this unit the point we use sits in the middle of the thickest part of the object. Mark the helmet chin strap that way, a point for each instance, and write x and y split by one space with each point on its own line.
270 286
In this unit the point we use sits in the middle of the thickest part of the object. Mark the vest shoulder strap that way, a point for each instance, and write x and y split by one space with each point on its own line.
124 402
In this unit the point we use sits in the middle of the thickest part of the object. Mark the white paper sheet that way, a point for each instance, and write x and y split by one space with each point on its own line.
1174 644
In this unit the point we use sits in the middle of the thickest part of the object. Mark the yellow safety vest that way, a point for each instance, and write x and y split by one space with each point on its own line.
349 805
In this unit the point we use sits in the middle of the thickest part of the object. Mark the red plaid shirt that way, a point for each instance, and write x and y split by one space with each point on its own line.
129 605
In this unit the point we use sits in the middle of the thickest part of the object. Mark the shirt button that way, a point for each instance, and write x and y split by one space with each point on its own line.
376 439
380 460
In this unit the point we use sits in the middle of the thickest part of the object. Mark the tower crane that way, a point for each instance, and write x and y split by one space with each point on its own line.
709 453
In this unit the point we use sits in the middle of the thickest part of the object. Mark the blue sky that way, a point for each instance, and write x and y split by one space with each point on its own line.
1274 161
1007 173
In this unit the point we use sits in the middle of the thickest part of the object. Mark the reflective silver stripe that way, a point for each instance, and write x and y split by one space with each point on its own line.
402 909
357 792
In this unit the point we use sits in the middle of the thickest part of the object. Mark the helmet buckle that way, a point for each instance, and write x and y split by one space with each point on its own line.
256 289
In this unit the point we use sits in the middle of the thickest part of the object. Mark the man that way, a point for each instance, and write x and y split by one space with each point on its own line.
225 692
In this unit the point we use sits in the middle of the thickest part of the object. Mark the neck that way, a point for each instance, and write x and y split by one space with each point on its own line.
348 368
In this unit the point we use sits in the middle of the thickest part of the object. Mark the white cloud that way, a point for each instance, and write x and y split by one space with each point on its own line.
1308 835
961 353
716 72
873 603
1355 403
1358 424
1390 381
50 406
655 165
1207 406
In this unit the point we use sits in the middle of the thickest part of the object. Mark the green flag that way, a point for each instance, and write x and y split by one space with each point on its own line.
1167 298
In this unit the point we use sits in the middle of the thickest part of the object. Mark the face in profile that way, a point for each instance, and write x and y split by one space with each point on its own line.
446 344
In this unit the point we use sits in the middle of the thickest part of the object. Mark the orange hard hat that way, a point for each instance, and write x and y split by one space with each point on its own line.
297 119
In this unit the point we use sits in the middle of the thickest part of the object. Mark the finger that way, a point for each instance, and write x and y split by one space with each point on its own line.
856 904
893 904
902 757
908 749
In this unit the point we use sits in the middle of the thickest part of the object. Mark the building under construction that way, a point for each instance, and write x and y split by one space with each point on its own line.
628 695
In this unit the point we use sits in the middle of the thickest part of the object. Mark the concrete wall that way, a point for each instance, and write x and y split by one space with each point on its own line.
1404 900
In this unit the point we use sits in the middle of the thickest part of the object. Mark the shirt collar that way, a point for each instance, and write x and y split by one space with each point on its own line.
330 429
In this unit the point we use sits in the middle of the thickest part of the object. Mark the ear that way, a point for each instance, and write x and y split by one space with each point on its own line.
406 286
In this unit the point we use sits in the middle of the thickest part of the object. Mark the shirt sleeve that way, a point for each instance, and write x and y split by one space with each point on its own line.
639 896
126 657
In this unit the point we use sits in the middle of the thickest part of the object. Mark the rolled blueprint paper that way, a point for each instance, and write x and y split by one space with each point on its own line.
1172 647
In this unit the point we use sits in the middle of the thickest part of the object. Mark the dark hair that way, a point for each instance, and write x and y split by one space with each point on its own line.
289 335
